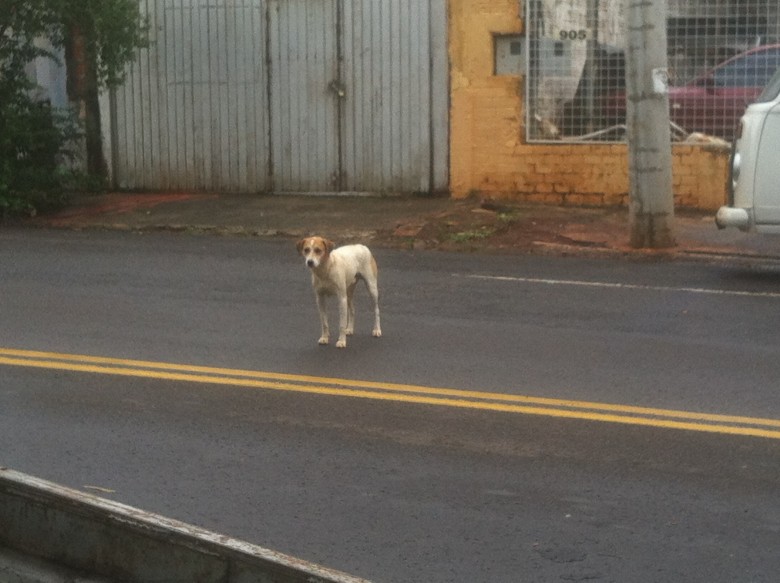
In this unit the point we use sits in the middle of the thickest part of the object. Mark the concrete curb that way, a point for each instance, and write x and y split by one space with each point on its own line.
108 541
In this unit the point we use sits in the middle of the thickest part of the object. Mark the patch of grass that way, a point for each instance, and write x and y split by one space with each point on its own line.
472 235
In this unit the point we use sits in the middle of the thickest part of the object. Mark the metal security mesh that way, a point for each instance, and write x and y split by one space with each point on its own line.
721 54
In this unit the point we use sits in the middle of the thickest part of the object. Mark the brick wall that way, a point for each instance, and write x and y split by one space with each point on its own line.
488 153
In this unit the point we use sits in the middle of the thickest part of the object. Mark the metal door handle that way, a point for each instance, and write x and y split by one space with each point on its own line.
337 88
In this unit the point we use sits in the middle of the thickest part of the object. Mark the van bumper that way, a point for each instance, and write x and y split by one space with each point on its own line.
729 216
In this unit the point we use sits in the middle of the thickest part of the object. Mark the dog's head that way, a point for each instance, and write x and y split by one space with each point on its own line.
315 250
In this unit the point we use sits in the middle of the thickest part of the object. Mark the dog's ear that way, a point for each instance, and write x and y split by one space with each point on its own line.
329 245
299 245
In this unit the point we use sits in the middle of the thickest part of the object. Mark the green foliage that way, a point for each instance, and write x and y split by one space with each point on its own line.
122 31
29 140
36 154
113 30
37 141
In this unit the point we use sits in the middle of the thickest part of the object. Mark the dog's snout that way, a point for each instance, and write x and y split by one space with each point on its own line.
310 262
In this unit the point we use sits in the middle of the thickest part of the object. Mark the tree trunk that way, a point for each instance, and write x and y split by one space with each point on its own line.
82 88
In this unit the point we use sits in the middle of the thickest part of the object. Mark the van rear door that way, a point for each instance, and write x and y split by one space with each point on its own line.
767 178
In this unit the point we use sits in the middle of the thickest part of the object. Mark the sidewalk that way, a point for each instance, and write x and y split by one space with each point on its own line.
405 222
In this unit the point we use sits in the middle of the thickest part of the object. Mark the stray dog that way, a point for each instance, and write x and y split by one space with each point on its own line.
336 272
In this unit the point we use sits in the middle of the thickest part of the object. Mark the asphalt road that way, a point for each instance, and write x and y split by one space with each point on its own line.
522 418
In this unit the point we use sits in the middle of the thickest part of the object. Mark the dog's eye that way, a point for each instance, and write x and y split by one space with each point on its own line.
306 250
318 251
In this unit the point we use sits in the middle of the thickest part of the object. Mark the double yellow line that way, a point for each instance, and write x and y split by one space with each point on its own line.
602 412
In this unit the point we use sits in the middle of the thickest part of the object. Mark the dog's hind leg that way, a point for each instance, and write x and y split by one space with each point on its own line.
351 309
373 290
343 318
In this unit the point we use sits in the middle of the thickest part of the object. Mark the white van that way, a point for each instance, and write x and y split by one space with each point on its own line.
754 181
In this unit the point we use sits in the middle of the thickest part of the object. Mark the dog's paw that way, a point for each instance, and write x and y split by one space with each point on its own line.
350 332
323 340
341 344
377 333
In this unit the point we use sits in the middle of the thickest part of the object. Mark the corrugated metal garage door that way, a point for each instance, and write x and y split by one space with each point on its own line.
286 96
304 65
396 103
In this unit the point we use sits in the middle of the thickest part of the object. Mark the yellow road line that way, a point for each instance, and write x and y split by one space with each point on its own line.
603 412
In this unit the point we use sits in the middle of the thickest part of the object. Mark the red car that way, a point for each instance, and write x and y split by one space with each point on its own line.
714 102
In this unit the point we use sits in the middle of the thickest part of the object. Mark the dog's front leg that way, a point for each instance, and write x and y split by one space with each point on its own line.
325 336
343 319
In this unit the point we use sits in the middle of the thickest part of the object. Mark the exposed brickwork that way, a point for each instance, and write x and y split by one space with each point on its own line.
488 153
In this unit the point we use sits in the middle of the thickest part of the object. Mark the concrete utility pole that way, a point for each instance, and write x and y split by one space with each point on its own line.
651 200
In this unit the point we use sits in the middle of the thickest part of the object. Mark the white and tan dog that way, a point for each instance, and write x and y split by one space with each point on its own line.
337 272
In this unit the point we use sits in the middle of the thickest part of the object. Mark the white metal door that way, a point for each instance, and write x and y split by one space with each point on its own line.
286 96
394 109
193 111
304 109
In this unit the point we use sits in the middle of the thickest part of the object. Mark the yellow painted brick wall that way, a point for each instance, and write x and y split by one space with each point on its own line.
487 150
